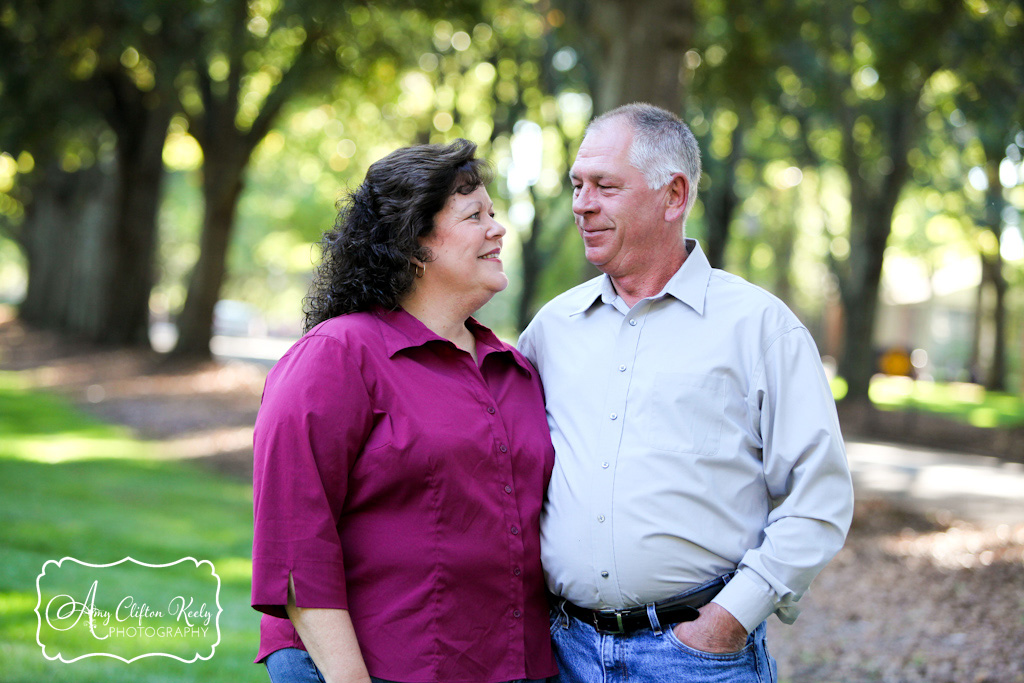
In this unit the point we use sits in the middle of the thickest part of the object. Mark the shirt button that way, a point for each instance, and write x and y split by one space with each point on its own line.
604 575
622 368
633 322
514 530
503 448
517 614
604 465
517 571
613 415
600 518
508 489
490 409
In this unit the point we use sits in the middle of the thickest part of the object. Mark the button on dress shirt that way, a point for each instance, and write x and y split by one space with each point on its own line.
396 478
695 434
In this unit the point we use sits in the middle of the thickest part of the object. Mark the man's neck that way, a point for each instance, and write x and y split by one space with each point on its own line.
633 288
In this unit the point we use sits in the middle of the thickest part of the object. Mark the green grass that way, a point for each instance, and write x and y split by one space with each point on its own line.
967 403
76 487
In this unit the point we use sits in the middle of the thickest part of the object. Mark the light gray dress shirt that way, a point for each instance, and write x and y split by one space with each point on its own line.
695 434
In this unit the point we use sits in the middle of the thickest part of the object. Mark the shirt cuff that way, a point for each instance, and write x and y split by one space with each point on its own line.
748 598
317 584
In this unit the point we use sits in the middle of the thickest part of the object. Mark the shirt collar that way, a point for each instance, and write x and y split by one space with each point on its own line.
689 284
402 330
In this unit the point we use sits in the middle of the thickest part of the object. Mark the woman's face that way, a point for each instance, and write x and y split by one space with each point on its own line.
465 246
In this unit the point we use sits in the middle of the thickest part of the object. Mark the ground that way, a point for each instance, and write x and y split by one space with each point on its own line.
911 597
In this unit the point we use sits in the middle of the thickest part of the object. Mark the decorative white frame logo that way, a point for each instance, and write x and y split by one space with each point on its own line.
171 618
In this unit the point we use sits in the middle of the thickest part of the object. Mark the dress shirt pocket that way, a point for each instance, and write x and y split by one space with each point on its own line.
684 413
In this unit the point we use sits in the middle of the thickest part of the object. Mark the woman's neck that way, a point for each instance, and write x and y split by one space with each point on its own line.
448 322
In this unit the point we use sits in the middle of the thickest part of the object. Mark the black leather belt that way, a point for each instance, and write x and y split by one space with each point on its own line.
670 611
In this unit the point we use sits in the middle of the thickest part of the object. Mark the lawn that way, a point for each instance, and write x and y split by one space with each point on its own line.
80 488
967 403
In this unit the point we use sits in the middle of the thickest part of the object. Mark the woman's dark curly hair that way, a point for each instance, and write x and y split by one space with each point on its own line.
367 256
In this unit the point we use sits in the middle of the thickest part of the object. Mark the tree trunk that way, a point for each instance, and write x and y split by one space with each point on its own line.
140 120
642 47
995 378
90 236
872 202
873 197
223 171
68 223
721 200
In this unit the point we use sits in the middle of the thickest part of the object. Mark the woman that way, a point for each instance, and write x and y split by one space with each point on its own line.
402 451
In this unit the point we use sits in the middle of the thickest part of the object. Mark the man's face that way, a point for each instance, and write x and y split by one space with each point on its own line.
621 220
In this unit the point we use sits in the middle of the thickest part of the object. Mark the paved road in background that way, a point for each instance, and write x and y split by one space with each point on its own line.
974 488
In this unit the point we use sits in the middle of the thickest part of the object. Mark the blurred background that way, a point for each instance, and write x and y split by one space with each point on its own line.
167 168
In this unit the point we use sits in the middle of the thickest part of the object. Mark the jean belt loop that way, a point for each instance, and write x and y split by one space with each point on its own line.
652 616
565 615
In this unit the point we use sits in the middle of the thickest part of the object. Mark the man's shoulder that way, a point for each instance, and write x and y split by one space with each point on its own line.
572 300
745 299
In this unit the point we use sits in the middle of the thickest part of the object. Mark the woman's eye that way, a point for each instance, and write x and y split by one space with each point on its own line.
476 216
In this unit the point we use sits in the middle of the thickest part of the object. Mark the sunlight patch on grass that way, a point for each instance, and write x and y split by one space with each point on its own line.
43 428
80 488
234 568
969 403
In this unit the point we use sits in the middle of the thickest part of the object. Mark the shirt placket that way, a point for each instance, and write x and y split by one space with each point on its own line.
506 493
619 374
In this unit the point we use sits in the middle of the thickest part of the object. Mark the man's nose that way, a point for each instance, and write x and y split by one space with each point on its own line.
583 201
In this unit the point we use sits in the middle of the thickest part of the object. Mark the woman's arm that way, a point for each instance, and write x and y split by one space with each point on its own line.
330 640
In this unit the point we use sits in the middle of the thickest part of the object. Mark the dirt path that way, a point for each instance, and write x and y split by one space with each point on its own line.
914 596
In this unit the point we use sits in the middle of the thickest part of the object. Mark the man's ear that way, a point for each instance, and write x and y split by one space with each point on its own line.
676 196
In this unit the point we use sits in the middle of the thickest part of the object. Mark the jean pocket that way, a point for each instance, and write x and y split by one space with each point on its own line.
746 653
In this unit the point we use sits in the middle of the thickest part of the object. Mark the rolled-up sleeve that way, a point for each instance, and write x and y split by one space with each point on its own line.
807 477
313 422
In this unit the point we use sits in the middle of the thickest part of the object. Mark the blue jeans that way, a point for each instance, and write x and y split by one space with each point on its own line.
652 655
292 665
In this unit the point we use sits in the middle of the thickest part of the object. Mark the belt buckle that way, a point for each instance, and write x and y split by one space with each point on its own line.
610 613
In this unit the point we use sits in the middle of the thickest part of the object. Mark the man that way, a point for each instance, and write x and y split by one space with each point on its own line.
700 480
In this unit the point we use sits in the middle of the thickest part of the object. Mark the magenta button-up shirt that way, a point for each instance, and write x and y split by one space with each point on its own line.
396 478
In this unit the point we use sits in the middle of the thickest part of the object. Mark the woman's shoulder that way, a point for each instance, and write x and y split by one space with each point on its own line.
344 334
347 327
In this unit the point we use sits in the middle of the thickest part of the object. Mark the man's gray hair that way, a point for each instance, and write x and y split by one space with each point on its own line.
662 145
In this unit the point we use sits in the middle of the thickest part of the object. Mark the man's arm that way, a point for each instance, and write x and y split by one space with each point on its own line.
330 640
807 479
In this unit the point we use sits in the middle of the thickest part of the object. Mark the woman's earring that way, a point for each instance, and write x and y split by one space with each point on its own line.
420 269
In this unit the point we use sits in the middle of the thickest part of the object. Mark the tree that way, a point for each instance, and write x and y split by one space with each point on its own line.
636 48
990 98
868 64
248 53
105 64
253 59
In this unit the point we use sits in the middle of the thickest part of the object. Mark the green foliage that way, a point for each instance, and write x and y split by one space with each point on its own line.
968 403
105 498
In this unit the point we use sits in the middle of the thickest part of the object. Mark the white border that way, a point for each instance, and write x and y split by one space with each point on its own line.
60 657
